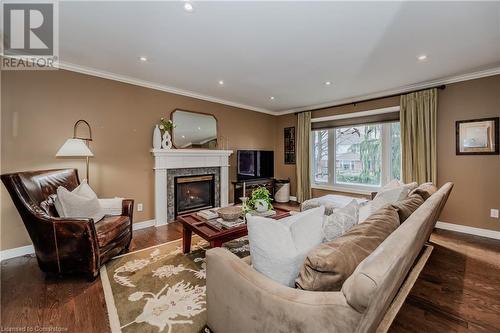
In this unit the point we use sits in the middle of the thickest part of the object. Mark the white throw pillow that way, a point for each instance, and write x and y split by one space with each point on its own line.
364 212
81 202
279 247
388 197
341 220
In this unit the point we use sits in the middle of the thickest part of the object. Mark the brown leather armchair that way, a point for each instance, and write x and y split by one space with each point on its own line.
66 245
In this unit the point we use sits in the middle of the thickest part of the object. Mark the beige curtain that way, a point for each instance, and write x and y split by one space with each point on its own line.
418 136
303 148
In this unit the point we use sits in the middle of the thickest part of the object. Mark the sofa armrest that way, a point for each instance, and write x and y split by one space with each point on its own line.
128 208
240 299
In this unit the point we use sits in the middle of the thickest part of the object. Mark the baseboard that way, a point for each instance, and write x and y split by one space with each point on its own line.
468 230
16 252
143 224
28 249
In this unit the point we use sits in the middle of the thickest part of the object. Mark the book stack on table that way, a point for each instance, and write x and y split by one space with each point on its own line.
208 214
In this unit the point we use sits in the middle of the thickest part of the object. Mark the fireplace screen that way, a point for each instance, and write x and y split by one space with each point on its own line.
193 193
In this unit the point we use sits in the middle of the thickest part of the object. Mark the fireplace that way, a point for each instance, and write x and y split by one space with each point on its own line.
193 193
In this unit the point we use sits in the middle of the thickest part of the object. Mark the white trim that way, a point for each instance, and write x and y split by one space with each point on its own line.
187 158
143 224
402 90
357 114
114 320
16 252
468 230
293 198
173 90
342 189
152 85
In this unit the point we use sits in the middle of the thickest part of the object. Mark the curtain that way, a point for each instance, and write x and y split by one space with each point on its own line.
303 157
418 117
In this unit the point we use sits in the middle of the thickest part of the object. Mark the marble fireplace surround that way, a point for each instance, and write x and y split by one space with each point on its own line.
172 173
170 163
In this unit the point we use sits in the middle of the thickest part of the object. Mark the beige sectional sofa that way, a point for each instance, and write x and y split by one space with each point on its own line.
240 299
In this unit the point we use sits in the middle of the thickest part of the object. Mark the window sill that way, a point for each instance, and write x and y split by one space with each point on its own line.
337 188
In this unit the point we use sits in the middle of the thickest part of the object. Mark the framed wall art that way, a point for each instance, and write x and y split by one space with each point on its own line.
289 145
477 136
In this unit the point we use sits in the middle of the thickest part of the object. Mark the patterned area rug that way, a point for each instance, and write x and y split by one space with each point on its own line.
159 289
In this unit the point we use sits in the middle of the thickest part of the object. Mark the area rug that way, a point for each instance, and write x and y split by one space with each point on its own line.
160 289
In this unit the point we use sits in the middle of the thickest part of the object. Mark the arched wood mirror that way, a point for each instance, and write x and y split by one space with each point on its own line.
194 130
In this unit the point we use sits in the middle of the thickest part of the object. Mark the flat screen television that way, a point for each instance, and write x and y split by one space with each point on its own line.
254 164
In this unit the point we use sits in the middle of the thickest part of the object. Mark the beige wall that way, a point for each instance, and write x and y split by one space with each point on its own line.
122 116
476 178
282 170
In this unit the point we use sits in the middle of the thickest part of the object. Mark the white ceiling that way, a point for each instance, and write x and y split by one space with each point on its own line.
281 49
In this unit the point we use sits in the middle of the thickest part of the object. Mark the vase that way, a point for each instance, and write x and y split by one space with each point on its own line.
167 141
156 138
261 205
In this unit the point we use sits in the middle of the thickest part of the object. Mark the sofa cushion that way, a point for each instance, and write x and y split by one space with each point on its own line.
278 247
110 227
330 264
425 190
407 206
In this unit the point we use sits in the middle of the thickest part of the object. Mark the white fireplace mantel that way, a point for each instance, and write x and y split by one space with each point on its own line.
187 158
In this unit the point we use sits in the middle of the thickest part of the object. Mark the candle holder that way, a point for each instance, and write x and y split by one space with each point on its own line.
244 207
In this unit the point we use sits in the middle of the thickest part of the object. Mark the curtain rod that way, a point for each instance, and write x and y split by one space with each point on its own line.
441 87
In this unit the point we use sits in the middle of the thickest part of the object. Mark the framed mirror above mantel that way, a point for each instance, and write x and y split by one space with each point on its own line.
194 130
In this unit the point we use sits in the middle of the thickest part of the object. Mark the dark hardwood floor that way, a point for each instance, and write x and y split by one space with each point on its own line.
458 291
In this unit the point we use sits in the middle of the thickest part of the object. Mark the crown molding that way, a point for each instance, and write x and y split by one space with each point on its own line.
402 90
148 84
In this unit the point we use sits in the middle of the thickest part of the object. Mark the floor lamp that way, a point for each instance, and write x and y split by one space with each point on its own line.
77 146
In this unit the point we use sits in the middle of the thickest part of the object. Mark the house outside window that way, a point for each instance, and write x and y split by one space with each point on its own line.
360 158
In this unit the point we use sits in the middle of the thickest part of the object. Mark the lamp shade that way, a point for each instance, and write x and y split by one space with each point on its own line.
74 147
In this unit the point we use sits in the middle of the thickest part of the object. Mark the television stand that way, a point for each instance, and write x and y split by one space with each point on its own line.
250 185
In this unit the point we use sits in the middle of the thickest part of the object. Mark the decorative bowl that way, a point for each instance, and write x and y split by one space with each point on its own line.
230 213
261 206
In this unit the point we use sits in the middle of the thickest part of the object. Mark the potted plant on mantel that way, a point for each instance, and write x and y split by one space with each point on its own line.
163 130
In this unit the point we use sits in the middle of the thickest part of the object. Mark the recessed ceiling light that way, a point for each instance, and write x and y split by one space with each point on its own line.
422 57
221 82
199 128
183 136
143 59
271 98
188 7
327 83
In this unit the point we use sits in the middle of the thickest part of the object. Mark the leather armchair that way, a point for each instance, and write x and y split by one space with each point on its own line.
66 245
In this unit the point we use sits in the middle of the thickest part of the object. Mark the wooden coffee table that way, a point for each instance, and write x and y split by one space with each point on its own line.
214 234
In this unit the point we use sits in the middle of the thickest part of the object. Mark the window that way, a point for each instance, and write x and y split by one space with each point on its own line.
361 157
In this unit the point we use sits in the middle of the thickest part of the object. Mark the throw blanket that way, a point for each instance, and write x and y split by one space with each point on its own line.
331 202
